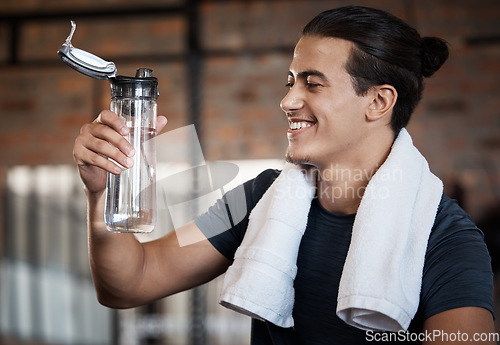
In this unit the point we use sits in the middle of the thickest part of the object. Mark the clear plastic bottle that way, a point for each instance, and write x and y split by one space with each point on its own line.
131 195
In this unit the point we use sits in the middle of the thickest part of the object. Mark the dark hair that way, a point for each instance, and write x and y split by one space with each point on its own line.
386 51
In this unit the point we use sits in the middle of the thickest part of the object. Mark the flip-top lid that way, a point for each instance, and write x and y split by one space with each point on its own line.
85 62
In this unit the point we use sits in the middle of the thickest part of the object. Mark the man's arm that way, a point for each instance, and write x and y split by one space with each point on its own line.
128 273
468 325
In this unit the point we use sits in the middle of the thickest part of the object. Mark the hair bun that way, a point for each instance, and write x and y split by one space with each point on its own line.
434 54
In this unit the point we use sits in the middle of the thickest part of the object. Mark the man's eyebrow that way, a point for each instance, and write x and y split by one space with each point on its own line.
309 73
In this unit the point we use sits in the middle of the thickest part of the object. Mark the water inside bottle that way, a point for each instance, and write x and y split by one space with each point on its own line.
131 205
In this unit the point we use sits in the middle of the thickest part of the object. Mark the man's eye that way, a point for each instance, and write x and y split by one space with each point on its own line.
289 84
312 85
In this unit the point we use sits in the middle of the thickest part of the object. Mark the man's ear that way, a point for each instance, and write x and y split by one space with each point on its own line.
383 101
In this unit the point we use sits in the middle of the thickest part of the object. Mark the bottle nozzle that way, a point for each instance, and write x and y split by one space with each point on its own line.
144 73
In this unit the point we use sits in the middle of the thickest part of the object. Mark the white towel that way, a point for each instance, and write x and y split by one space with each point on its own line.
259 283
380 284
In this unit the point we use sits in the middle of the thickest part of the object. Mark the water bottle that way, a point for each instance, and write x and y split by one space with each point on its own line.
131 196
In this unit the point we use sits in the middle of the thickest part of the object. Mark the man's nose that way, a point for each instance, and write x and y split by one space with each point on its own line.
292 100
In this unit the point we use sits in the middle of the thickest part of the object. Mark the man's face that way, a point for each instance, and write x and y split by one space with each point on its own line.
326 118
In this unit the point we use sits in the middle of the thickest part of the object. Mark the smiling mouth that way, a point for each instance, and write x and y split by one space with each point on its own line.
296 125
299 125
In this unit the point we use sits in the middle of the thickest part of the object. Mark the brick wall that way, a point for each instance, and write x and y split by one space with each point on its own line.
248 47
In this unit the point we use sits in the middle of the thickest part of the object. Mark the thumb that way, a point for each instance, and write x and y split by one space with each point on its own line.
161 121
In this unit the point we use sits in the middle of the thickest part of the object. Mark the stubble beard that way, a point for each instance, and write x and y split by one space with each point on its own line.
303 162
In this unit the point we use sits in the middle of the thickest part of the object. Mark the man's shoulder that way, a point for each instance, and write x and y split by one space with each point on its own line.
451 217
260 184
454 230
267 176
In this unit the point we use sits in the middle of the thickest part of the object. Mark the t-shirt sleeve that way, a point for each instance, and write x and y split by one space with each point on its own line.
225 223
457 271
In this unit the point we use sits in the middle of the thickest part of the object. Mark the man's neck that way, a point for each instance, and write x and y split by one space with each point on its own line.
341 185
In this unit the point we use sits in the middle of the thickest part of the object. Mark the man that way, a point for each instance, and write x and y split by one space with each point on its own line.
355 78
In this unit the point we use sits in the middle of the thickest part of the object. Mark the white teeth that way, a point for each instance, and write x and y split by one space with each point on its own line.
299 125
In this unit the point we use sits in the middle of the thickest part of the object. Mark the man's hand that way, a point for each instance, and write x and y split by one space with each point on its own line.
98 144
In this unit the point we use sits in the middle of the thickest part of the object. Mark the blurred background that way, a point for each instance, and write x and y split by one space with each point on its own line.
222 67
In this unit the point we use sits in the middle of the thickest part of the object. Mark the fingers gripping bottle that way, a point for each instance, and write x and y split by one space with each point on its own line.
131 195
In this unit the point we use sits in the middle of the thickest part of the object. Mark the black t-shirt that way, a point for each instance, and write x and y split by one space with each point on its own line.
457 270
